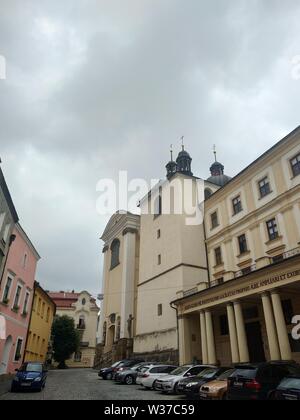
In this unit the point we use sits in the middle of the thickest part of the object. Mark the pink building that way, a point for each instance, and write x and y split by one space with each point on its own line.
16 295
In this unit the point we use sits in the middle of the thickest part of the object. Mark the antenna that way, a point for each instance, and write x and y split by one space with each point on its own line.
171 151
215 152
182 142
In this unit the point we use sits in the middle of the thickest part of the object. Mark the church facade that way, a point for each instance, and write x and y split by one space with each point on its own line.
222 291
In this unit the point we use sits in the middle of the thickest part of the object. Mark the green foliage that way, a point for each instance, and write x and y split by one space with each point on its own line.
66 339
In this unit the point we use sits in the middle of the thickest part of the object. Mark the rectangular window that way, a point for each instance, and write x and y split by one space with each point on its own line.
159 260
7 290
214 220
43 310
17 297
24 261
224 328
295 164
237 205
159 310
18 354
264 187
25 307
218 256
272 229
158 234
242 240
288 311
6 232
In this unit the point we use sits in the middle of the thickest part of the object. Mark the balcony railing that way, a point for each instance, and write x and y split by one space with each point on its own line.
281 257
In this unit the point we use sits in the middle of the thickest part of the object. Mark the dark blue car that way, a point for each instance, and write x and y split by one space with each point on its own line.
31 376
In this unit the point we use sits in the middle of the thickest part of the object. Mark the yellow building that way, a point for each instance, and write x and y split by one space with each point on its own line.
252 227
39 332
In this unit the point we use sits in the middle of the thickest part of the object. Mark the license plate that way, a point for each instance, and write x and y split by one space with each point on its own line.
203 395
26 384
238 384
159 386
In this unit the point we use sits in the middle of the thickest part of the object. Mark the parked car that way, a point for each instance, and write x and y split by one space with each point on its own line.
107 373
216 389
169 383
289 389
128 376
31 376
126 365
147 377
259 381
191 386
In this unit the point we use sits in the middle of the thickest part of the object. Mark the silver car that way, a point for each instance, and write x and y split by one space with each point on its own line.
169 383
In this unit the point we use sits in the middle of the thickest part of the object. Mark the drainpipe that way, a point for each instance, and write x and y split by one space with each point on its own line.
11 240
176 309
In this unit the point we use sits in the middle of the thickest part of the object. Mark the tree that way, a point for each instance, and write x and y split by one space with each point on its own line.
66 339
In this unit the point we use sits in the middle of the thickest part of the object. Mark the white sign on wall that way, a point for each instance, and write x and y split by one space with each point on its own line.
2 328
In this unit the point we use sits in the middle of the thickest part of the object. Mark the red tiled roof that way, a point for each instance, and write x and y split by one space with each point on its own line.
64 299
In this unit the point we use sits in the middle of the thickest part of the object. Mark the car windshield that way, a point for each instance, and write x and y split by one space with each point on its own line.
291 383
207 373
225 375
180 371
245 373
32 367
116 364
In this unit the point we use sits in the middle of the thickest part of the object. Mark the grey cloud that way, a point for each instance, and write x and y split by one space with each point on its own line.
95 86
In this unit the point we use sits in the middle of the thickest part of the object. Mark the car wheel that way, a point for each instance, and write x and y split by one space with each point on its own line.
176 389
271 396
153 385
108 376
129 380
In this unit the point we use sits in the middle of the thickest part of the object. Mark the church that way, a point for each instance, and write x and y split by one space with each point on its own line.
224 291
150 260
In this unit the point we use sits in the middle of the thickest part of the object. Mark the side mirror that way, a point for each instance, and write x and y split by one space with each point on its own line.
16 370
188 375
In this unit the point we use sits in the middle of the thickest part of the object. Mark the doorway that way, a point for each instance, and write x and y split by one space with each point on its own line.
255 342
6 353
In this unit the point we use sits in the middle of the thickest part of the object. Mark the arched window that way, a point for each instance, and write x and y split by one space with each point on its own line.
207 193
115 254
104 332
81 324
158 204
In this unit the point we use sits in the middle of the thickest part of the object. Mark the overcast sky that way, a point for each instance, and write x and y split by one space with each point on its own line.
98 86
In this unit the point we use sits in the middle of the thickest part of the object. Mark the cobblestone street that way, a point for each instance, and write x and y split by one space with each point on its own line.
84 384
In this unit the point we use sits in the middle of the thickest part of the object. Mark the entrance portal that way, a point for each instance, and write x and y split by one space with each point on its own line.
255 342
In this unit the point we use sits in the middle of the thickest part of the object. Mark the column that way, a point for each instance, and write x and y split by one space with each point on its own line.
235 356
128 282
184 340
241 333
271 327
203 338
211 348
283 338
